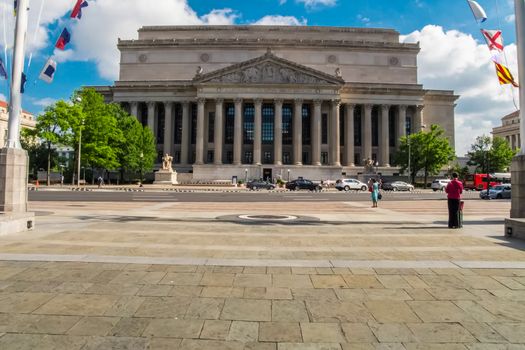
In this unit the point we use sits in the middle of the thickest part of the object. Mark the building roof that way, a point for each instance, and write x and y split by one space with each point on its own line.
4 104
511 115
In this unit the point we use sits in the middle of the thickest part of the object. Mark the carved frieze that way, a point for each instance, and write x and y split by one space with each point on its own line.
268 73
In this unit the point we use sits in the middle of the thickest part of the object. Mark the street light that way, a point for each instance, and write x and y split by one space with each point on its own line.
288 175
79 99
141 155
245 176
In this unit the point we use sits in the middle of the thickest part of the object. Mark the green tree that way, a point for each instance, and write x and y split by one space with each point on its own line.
462 172
148 151
490 155
36 151
429 152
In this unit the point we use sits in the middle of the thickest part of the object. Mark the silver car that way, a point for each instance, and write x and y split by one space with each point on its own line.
351 184
497 192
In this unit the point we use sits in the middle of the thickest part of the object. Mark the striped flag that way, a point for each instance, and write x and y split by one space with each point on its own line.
504 75
63 40
77 10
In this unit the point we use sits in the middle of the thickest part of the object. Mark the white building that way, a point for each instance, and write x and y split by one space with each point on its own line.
318 101
28 121
509 129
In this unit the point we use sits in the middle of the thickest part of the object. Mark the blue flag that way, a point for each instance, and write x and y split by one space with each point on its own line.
23 83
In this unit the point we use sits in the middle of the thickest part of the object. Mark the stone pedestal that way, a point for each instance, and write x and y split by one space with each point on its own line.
13 192
165 177
515 226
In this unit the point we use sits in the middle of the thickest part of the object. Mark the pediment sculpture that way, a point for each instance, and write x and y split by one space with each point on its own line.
268 73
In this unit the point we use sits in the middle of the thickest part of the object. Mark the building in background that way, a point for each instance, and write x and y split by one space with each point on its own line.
267 101
28 120
509 129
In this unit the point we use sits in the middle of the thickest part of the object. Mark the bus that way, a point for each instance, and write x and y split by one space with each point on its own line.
478 182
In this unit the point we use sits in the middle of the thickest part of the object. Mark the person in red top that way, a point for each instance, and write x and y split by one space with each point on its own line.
454 190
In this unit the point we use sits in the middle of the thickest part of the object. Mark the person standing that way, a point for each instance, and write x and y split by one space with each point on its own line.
454 190
374 193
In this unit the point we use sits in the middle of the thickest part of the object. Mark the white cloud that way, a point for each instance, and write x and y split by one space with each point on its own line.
317 3
281 20
453 60
2 97
510 18
220 17
363 19
44 102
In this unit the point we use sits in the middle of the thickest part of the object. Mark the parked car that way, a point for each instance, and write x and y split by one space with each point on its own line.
497 192
397 186
351 184
303 184
260 184
439 184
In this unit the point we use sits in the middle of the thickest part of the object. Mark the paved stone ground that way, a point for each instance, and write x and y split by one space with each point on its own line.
355 279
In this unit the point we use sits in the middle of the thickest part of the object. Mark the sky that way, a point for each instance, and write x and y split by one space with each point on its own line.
453 53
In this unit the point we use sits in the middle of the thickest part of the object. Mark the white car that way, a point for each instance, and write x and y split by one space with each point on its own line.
439 184
351 184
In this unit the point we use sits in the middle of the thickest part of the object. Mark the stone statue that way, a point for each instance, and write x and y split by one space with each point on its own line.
338 72
166 162
199 70
369 166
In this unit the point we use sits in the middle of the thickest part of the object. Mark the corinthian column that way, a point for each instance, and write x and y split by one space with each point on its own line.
151 119
134 109
186 132
385 139
168 127
367 133
335 135
418 122
401 125
257 128
278 133
298 132
316 134
349 134
219 131
237 134
199 147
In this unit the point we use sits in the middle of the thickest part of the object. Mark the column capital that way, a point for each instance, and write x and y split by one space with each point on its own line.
168 103
318 103
237 101
201 100
219 101
278 101
298 101
133 103
385 107
185 103
419 108
368 106
403 107
151 104
258 101
335 103
350 105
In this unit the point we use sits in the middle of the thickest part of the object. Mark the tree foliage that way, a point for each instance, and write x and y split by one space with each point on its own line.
490 154
429 152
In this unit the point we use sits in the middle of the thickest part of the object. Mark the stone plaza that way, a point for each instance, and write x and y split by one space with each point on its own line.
171 275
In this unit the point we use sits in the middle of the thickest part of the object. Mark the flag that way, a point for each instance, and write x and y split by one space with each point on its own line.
494 39
477 11
504 75
3 71
15 7
23 83
48 72
63 40
77 10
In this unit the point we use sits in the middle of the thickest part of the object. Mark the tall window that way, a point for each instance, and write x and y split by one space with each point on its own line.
229 157
249 115
267 158
229 123
211 126
248 157
267 123
287 124
286 158
307 126
324 158
324 129
357 126
209 158
193 123
178 124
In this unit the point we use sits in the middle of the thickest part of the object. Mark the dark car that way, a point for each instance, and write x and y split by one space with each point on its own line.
260 184
303 184
397 186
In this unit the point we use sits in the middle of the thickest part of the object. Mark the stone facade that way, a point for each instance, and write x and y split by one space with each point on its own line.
509 129
28 121
271 100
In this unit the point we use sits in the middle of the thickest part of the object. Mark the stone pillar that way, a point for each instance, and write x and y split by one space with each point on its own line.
401 125
186 134
316 133
335 135
367 133
151 119
298 132
349 134
134 109
13 180
219 131
385 137
257 128
278 133
199 142
418 120
168 127
237 134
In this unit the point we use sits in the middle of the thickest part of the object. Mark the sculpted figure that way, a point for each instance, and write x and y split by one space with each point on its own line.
166 162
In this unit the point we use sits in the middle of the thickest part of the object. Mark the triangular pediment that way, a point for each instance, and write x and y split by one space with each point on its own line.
268 69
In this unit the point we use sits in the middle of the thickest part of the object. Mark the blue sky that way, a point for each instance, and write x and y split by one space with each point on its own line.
453 55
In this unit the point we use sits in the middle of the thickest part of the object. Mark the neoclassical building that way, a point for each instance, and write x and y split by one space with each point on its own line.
509 129
27 120
270 101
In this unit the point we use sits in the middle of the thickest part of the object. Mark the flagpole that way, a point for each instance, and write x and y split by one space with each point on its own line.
15 101
519 6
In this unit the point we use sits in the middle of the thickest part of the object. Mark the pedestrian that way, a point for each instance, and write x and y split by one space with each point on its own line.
374 192
100 181
454 190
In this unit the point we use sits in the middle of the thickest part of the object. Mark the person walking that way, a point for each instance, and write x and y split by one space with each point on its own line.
454 190
375 192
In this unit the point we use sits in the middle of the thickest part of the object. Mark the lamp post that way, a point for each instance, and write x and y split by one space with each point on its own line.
245 176
288 175
78 99
141 166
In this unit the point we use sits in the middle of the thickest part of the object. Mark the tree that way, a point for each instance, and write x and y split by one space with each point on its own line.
462 172
429 152
36 151
148 150
490 155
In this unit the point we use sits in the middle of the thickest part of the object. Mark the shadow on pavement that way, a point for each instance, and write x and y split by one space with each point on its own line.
510 242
